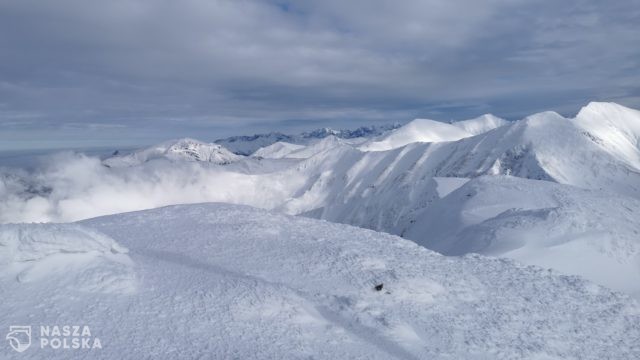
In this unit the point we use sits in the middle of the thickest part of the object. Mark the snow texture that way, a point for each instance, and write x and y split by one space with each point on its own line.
429 131
223 281
67 255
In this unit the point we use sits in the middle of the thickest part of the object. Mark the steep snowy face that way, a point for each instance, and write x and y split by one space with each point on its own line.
570 155
543 146
614 128
419 130
221 281
180 150
584 232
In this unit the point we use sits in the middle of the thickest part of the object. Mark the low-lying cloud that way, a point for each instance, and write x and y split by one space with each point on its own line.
74 186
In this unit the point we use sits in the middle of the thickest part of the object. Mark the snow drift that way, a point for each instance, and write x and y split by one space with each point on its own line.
65 255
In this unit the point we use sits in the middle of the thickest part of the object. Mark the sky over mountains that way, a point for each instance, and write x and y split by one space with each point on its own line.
84 73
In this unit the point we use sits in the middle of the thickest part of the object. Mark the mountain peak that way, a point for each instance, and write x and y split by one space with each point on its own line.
604 109
179 149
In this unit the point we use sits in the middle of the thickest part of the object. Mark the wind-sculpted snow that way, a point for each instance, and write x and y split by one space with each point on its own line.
63 255
222 281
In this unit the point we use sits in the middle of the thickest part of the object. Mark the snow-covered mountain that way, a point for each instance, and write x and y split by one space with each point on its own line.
277 150
222 281
383 190
480 125
576 231
614 128
316 147
178 150
247 145
543 172
431 131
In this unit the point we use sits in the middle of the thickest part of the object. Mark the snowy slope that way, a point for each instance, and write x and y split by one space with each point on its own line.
385 190
277 150
281 150
177 150
615 128
543 146
221 281
424 130
481 124
418 130
584 232
317 147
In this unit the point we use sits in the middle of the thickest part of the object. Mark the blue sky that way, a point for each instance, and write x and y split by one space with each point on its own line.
77 73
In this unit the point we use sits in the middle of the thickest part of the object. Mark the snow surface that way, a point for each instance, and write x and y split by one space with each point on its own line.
575 231
448 185
223 281
72 257
328 143
615 128
424 130
277 150
418 130
481 124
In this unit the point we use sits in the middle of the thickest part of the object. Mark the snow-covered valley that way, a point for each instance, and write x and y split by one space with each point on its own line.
233 281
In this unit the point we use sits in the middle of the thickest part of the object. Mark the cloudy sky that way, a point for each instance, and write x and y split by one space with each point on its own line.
81 73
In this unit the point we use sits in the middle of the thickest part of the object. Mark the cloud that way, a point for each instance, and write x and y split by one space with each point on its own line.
212 67
69 186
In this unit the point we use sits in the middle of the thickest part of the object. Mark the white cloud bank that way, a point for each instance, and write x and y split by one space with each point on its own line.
74 186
